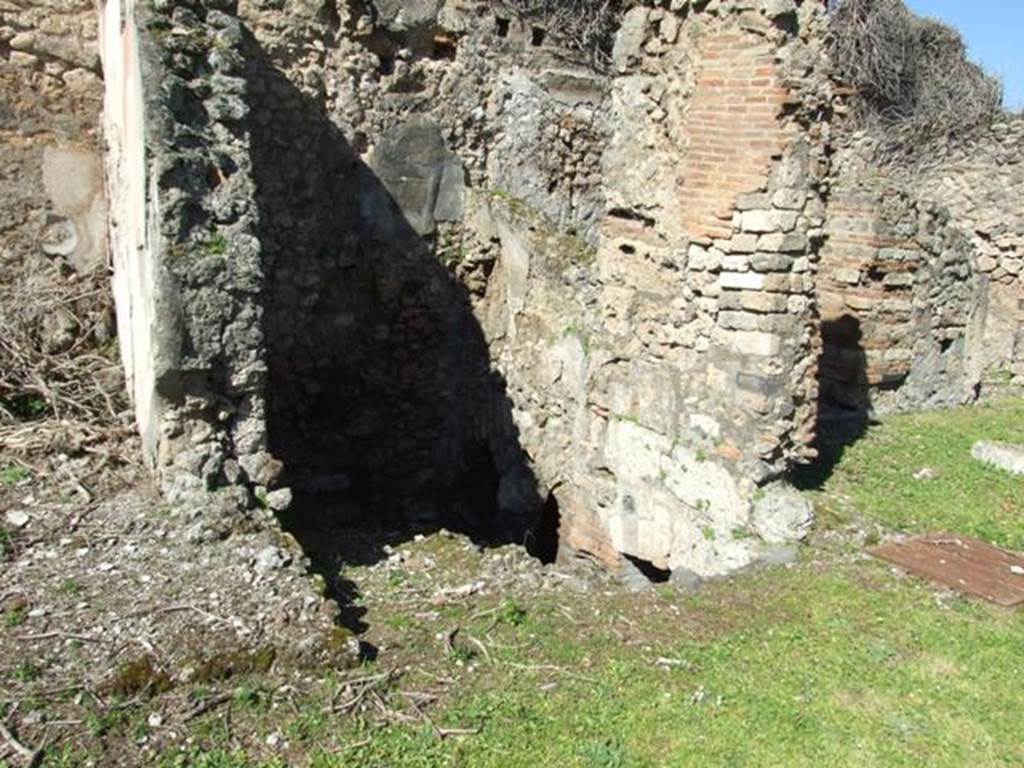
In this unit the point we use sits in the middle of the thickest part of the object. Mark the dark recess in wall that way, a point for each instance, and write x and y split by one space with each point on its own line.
382 402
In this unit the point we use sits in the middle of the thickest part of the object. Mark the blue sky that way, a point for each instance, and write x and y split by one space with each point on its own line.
994 32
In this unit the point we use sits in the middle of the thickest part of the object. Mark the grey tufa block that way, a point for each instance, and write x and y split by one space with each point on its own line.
1004 456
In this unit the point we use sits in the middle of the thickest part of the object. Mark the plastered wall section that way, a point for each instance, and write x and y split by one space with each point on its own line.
133 211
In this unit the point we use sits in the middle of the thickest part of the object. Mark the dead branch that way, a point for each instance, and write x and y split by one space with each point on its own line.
32 757
205 706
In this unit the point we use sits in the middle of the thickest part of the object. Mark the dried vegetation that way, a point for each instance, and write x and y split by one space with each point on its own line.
914 85
585 27
61 389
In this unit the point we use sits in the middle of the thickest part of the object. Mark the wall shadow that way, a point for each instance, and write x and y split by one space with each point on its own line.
382 403
844 400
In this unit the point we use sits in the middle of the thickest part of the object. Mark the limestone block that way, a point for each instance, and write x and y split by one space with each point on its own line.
847 275
630 39
775 8
771 262
647 393
783 242
401 15
781 514
73 179
633 452
419 172
750 281
742 243
754 343
758 221
1005 456
735 263
898 280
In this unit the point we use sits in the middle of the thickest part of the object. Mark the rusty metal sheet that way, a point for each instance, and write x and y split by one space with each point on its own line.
961 563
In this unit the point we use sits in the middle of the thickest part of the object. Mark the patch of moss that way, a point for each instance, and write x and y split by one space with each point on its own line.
338 647
138 676
223 666
561 246
215 245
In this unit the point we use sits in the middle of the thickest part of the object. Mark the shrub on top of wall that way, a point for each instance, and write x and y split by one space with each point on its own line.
914 84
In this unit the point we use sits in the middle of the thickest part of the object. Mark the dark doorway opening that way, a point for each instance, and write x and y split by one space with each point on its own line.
383 406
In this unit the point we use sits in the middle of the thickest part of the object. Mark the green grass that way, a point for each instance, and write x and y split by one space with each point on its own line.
875 482
837 661
13 474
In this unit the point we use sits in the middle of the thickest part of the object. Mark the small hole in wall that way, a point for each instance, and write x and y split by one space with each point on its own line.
788 23
444 48
653 573
544 539
386 66
331 16
501 27
627 249
876 274
537 36
945 345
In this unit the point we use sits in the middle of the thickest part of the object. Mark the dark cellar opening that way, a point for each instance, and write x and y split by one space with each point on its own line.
650 571
544 541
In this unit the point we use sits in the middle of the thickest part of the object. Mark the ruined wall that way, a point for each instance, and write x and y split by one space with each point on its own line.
981 185
187 264
660 381
918 289
899 296
416 262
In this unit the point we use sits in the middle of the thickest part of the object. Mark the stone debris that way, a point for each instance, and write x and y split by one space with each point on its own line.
1005 456
272 559
17 518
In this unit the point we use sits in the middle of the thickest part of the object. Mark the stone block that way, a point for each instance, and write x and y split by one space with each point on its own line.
756 343
782 514
771 262
750 281
742 243
847 275
1005 456
789 199
780 242
753 201
898 280
735 263
758 221
764 302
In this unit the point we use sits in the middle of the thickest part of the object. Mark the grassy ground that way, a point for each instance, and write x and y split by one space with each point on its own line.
837 661
875 480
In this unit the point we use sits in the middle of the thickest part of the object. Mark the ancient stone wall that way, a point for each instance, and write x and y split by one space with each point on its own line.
898 294
981 185
418 262
919 287
660 380
186 259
